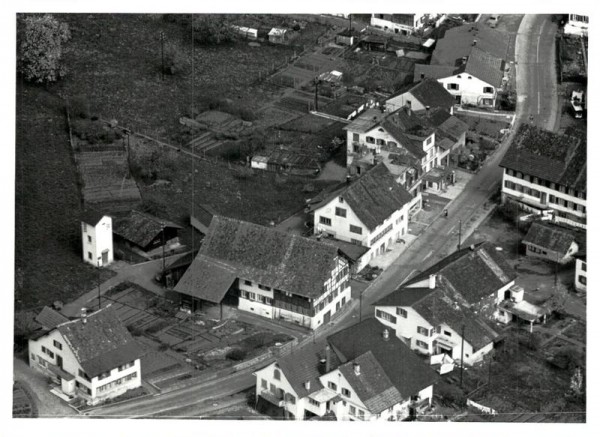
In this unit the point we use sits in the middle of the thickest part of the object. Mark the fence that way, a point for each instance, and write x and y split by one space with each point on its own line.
482 408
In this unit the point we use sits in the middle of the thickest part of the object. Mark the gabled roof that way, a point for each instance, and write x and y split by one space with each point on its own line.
458 43
561 159
207 279
432 93
233 248
91 216
50 318
473 273
140 228
401 365
551 237
304 364
485 67
415 148
365 121
101 343
371 384
423 71
204 213
374 197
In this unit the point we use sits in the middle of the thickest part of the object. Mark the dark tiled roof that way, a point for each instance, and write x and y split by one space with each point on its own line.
406 298
102 343
49 318
474 274
485 67
182 261
207 279
556 158
140 228
549 236
432 93
410 122
423 71
458 43
371 385
304 364
204 213
91 216
375 196
413 147
401 365
352 251
265 255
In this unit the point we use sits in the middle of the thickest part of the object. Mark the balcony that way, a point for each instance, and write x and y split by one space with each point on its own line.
274 399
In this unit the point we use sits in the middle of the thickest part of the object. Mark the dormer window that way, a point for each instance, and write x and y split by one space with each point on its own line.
341 199
459 76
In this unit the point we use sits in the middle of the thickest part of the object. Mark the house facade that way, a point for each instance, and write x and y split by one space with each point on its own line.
577 25
469 90
91 371
550 242
545 173
97 239
426 94
371 211
581 274
405 24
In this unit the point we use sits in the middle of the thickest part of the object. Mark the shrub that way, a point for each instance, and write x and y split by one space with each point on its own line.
452 394
79 107
163 347
568 358
136 332
236 355
211 29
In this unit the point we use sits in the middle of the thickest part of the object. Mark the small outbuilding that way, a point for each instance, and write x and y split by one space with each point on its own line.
550 242
97 238
278 35
146 234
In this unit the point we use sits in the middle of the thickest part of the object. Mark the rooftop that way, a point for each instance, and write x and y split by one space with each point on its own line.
424 71
561 159
140 228
485 67
50 318
91 216
549 236
432 93
100 341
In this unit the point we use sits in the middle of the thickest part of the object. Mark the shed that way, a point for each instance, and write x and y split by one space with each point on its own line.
277 35
145 232
259 162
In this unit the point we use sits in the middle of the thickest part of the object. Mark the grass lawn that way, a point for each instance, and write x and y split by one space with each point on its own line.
48 260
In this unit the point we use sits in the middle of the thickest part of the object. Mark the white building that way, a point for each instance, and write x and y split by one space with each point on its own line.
577 25
371 211
431 311
267 272
426 94
545 172
377 378
581 273
93 358
97 238
405 24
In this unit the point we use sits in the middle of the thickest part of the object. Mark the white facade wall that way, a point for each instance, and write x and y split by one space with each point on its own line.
577 25
71 365
580 275
268 374
380 23
470 90
96 240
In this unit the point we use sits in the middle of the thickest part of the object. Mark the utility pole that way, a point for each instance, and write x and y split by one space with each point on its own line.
459 232
350 17
316 94
490 369
360 307
99 295
462 354
162 230
162 53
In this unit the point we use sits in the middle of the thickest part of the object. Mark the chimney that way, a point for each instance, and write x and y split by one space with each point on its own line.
327 359
356 369
83 316
427 108
431 282
307 385
386 334
474 42
472 247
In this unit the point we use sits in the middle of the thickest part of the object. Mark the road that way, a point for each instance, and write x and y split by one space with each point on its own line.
466 212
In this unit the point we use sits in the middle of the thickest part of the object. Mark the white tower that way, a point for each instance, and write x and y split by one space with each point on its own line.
96 238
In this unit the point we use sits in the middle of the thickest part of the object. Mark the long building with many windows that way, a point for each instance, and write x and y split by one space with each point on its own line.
545 173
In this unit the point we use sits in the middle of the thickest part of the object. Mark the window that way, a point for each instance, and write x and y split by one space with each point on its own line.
83 375
448 333
509 185
552 198
422 344
277 374
251 296
583 279
325 221
353 241
356 229
264 287
584 267
248 283
469 77
459 76
263 383
429 140
423 331
385 316
341 200
57 345
89 255
355 137
487 102
361 414
380 142
453 86
89 238
313 402
370 140
402 312
488 90
48 352
353 410
291 399
84 227
103 375
332 385
562 188
340 212
126 366
346 392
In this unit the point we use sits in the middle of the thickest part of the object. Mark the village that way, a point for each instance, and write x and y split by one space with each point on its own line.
352 217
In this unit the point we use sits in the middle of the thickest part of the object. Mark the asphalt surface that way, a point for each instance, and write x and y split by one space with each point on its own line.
536 87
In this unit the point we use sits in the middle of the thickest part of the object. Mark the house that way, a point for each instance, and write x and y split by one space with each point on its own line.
289 161
246 32
550 242
580 273
371 211
426 93
347 37
379 379
93 358
405 24
97 238
145 234
577 25
432 320
49 318
515 309
201 217
259 162
545 172
470 63
268 272
278 35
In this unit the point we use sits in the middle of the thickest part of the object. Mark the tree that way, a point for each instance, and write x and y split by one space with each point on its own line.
40 41
174 59
211 29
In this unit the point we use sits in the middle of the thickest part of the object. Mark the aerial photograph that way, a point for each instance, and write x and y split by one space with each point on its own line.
300 217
